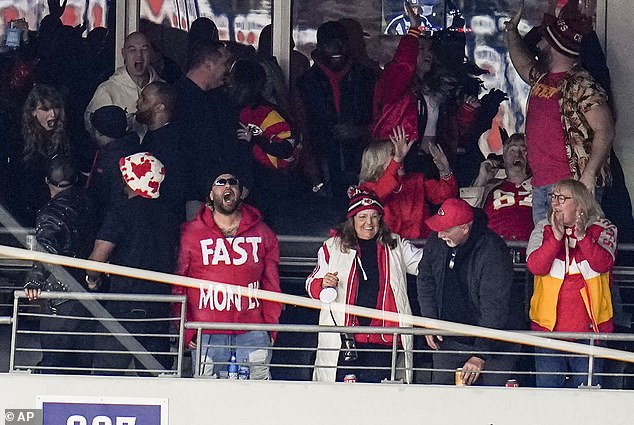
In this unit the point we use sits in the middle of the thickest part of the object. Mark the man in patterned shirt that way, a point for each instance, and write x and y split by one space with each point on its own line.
569 126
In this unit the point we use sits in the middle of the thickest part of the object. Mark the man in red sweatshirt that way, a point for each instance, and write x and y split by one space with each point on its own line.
229 245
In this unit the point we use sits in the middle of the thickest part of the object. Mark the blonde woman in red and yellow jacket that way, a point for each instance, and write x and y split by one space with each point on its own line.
571 255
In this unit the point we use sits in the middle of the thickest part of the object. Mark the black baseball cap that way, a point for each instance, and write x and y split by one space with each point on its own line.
110 120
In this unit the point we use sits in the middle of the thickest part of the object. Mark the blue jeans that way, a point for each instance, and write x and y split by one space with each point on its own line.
541 202
250 347
563 365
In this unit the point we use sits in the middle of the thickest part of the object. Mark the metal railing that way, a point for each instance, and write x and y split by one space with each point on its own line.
303 302
397 369
98 324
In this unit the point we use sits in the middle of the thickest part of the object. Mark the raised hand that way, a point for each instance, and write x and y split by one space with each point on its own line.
490 104
512 24
412 16
440 159
400 142
488 170
56 9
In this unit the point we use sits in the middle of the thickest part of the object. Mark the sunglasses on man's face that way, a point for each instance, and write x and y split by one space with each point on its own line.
231 181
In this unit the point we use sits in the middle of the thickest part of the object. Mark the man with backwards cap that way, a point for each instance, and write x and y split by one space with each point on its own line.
140 232
466 276
569 126
104 182
228 242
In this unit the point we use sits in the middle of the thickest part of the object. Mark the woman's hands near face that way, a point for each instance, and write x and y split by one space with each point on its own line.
580 225
557 223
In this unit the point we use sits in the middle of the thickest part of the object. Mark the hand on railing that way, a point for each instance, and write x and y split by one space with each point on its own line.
432 342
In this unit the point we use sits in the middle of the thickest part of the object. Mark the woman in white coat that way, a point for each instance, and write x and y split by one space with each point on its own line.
366 265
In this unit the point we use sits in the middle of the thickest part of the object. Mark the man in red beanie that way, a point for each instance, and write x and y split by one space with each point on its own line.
466 276
569 126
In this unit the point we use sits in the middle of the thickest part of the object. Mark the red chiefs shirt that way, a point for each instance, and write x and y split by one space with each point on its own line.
510 211
545 139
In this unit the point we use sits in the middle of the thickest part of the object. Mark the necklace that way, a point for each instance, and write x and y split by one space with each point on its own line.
230 230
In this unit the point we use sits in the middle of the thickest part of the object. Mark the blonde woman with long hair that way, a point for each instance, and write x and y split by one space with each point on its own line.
406 196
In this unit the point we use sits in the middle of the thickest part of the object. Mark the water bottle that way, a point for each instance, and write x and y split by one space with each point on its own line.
233 367
244 372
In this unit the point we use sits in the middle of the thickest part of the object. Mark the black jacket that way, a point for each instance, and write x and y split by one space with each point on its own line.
486 264
207 122
64 226
165 144
321 116
106 185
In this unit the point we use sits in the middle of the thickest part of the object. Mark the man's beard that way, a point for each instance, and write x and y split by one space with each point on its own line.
144 117
544 61
224 210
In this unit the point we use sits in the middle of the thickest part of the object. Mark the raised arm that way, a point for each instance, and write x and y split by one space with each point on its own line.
520 55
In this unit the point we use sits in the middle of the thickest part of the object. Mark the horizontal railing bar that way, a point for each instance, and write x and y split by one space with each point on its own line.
57 350
167 372
101 319
17 230
113 334
389 330
99 296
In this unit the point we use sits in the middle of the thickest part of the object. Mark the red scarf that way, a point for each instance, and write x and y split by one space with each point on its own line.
335 78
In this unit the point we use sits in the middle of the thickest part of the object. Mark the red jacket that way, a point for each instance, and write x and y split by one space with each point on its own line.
395 101
550 261
250 260
406 199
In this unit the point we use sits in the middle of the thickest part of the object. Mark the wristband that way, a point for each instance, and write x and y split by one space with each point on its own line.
447 175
